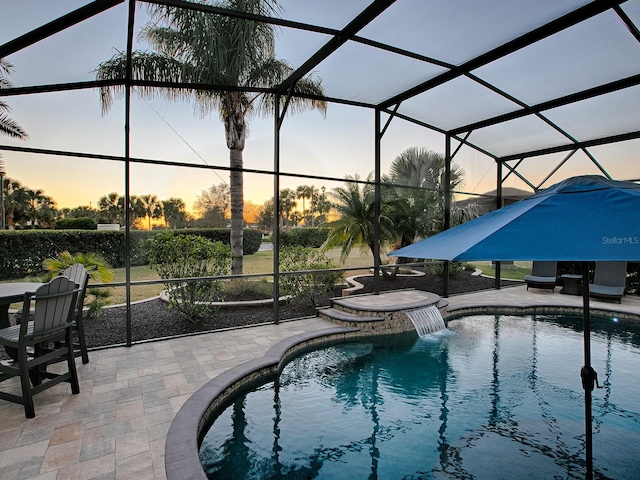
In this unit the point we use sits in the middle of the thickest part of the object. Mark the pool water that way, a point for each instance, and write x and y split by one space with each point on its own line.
492 397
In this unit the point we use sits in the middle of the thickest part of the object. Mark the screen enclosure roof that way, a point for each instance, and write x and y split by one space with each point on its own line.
513 79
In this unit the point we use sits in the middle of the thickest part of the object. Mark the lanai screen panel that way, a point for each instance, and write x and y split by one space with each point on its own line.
458 102
68 56
335 14
592 53
521 135
603 116
456 32
365 74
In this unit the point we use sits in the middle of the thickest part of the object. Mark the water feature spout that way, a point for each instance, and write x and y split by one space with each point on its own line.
426 320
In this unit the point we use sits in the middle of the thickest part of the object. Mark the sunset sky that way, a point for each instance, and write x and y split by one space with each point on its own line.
338 145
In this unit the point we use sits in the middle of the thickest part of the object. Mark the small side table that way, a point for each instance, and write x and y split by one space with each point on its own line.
571 284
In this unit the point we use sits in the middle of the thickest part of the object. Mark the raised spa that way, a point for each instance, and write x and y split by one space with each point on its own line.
492 397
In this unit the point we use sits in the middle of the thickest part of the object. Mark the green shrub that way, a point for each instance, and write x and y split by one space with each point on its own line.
22 253
176 256
306 288
98 298
98 270
242 289
454 268
251 241
251 238
84 223
312 237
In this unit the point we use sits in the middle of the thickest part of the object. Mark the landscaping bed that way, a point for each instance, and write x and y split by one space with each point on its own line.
153 319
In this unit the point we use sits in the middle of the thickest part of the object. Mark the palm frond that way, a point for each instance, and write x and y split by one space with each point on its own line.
6 67
274 72
355 204
96 266
11 128
225 45
4 107
148 66
8 126
308 85
215 50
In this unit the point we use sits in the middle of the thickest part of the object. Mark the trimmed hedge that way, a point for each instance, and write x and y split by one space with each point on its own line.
22 252
84 223
312 237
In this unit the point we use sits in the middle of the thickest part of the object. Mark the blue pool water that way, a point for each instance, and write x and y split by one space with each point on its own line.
492 397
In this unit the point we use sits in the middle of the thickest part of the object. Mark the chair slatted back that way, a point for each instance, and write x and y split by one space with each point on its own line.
79 274
54 306
611 274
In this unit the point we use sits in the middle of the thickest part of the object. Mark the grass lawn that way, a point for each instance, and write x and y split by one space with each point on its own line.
262 262
259 262
522 270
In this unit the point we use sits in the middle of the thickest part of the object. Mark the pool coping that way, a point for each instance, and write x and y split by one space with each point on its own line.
507 309
182 461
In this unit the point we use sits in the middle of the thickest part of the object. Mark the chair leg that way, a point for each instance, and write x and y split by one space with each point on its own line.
71 362
36 373
79 326
27 397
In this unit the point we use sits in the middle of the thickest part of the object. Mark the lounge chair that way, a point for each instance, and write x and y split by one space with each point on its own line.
543 275
609 280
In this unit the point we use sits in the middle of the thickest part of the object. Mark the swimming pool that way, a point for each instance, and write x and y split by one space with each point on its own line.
495 396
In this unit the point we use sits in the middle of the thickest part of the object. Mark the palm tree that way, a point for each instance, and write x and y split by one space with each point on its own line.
174 212
321 204
418 210
151 206
136 209
355 203
109 206
200 48
8 126
34 200
15 202
303 192
287 204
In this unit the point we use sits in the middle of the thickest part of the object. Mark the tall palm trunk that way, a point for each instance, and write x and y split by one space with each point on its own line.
237 208
235 129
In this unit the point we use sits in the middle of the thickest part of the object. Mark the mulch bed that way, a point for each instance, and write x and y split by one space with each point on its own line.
154 319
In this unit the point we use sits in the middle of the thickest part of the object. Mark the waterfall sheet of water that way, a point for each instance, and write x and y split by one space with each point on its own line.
426 320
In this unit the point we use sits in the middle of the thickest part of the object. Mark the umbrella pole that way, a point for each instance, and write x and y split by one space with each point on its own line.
587 373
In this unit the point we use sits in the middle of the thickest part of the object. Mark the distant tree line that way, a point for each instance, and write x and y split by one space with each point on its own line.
26 208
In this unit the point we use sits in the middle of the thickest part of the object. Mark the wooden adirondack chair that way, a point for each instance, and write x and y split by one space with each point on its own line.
53 318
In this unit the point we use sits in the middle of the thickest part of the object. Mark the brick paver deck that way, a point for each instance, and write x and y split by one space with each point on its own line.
116 427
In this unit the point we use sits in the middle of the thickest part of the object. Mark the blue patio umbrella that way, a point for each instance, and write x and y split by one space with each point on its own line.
585 218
